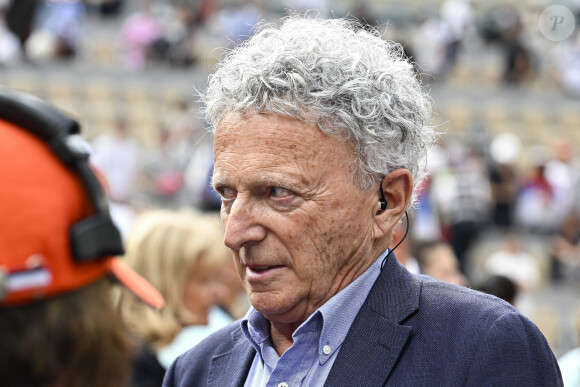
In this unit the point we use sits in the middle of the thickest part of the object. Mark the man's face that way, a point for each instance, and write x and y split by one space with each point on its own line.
299 228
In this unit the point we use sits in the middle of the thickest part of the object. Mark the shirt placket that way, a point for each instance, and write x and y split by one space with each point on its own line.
293 365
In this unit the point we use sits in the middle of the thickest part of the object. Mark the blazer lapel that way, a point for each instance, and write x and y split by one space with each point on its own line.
376 338
231 368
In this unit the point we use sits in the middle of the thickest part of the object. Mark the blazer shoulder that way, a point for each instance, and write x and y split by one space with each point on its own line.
474 339
456 301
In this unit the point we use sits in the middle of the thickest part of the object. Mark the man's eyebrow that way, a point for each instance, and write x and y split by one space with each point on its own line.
216 181
275 182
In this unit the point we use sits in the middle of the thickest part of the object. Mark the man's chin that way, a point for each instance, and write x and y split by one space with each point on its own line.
275 311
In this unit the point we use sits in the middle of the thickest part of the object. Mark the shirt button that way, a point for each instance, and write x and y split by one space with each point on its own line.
283 384
326 349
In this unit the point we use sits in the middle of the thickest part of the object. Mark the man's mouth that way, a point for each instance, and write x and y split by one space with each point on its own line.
259 269
258 275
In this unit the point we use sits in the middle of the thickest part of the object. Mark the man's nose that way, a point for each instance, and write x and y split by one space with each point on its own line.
241 224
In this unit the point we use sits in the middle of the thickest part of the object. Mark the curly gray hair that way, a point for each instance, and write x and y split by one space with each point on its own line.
350 80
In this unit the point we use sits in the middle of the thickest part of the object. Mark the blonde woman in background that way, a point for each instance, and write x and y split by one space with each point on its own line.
182 254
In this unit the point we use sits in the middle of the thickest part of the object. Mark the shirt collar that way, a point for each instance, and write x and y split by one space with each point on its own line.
256 328
338 314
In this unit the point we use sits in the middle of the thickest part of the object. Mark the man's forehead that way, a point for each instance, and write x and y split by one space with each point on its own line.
267 133
276 144
271 130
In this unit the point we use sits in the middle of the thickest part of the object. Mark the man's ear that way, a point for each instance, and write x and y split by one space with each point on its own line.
397 188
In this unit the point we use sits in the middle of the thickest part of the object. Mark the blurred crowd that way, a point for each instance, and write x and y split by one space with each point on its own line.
533 209
181 33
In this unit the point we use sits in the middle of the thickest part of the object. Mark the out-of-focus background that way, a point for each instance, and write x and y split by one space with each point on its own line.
503 197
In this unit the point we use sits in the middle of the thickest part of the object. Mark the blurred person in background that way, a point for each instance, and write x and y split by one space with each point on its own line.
184 130
504 153
462 193
138 33
563 175
458 16
570 365
116 154
20 18
58 322
9 45
182 254
565 62
437 260
516 264
109 8
177 44
535 206
502 24
499 286
565 249
428 42
58 30
519 61
175 172
426 217
198 178
162 171
238 20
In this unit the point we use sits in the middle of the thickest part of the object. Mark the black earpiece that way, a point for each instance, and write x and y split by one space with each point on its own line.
382 199
383 204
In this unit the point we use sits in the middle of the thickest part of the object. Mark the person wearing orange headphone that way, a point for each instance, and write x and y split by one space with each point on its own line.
58 249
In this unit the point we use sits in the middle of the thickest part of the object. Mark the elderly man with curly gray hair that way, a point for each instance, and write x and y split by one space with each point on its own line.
320 128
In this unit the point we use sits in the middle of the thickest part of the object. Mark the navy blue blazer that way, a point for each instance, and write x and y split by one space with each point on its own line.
411 331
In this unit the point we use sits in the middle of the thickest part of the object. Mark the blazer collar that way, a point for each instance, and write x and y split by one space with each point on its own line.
376 338
231 368
395 294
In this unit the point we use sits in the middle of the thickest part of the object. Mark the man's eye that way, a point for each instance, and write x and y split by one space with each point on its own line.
279 192
226 193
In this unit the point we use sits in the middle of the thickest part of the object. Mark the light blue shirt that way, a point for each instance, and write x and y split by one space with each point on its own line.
316 342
